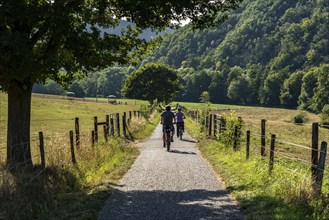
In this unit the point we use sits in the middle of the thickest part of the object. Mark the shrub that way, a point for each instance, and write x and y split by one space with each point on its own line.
145 111
301 117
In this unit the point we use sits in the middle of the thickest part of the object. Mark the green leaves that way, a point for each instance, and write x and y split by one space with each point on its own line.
152 81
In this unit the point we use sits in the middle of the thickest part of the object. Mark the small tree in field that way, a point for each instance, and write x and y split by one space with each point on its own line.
206 106
152 81
56 39
325 116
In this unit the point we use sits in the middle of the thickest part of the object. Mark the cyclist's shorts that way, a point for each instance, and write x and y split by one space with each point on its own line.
165 126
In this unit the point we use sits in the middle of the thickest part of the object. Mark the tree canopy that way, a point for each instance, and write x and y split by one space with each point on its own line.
267 41
151 82
60 39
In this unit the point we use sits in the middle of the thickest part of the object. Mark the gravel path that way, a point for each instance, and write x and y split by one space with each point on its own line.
170 185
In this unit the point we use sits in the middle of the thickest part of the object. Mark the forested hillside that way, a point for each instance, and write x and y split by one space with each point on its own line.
269 52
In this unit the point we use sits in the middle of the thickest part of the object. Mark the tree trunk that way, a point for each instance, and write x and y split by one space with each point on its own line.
18 134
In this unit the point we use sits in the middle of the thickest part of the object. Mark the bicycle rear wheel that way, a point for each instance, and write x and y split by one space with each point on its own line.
168 140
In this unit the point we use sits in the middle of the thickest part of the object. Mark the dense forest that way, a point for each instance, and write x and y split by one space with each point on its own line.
268 52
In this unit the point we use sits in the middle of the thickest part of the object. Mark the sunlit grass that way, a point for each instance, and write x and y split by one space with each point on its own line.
64 190
285 194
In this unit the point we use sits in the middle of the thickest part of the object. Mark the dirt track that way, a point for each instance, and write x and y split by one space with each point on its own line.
170 185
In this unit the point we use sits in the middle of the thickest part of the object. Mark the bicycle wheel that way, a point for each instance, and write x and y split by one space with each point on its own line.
168 142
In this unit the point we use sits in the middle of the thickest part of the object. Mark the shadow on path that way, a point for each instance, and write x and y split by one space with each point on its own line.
188 140
182 152
192 204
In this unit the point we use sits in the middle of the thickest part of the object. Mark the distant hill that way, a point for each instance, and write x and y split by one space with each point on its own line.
147 34
264 41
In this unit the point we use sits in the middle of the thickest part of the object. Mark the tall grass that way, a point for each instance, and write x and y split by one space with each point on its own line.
63 190
286 193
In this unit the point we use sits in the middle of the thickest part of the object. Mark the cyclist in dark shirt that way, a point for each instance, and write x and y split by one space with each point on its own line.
168 119
180 119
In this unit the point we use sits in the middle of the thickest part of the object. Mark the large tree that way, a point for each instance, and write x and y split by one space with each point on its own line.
38 38
152 81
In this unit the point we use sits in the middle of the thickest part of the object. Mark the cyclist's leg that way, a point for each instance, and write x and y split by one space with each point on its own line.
163 133
172 132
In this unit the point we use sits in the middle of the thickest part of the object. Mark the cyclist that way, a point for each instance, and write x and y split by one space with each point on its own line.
180 119
168 119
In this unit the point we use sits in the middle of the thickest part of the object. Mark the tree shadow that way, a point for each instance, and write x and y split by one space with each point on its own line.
188 140
157 204
182 152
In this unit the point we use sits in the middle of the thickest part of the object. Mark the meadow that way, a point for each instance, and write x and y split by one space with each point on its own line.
287 191
76 191
63 189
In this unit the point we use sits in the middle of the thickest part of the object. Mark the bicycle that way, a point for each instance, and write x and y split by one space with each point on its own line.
180 131
167 140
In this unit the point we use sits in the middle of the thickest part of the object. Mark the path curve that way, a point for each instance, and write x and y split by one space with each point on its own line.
169 185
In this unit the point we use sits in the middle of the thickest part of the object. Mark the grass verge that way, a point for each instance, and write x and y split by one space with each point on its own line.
68 191
281 195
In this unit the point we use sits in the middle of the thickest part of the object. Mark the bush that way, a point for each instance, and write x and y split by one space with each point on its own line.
145 111
325 115
301 117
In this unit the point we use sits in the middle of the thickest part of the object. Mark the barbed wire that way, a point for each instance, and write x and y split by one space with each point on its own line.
53 119
293 144
278 122
325 126
291 158
33 178
285 167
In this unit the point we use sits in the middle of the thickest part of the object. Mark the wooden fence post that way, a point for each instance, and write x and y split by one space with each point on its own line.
134 113
77 132
210 124
129 115
92 138
215 125
118 124
206 122
95 128
248 145
111 126
105 133
124 125
42 150
107 125
72 147
321 166
235 141
272 153
315 150
223 125
263 138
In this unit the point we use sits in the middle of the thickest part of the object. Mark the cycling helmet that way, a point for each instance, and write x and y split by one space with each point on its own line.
168 108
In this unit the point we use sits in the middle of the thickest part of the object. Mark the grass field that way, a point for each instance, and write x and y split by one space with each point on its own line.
287 192
63 190
79 191
54 116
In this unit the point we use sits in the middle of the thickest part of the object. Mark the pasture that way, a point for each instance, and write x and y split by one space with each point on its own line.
55 115
286 191
64 188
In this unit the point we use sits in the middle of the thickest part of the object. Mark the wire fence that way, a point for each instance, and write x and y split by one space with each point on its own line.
300 159
58 149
